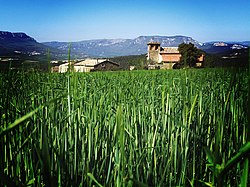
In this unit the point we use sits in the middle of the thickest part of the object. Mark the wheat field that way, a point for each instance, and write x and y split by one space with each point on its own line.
141 128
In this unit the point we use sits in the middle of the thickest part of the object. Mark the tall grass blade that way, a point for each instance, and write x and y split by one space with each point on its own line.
245 173
90 175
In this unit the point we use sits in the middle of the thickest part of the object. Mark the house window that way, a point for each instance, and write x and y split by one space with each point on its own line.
103 65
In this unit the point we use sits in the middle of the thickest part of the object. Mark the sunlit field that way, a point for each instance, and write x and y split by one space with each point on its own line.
140 128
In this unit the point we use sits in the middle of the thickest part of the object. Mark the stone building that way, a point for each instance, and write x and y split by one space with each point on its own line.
165 57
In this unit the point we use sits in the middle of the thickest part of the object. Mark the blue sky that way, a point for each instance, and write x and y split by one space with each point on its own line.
75 20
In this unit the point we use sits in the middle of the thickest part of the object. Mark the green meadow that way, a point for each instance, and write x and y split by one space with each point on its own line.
141 128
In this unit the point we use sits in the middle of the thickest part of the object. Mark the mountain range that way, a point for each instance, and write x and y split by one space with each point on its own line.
21 43
119 47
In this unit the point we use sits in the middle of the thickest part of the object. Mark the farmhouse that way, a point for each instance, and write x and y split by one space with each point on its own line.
165 57
90 65
106 65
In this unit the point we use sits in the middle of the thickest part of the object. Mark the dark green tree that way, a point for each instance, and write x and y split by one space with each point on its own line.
189 54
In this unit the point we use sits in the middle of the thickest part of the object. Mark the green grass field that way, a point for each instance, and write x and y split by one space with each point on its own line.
142 128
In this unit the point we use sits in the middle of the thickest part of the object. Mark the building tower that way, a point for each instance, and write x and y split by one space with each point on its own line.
153 51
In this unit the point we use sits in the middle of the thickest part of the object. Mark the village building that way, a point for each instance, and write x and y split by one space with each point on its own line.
165 57
88 65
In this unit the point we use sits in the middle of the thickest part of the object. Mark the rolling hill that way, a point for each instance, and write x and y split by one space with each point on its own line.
20 44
